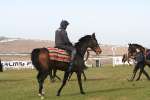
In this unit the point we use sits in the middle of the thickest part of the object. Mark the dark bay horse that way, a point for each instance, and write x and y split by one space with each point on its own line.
142 58
41 61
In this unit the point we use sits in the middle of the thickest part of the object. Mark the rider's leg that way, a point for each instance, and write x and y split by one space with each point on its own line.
73 53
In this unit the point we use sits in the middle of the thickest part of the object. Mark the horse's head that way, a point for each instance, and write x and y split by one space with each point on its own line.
88 41
93 44
131 49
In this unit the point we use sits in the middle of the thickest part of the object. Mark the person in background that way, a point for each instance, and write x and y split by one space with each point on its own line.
1 66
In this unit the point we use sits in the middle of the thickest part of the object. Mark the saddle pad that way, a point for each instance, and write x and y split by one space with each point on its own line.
148 54
58 54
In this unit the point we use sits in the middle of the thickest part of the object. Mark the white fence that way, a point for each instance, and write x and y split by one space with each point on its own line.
116 60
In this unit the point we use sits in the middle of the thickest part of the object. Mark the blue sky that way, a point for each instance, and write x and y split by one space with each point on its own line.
113 21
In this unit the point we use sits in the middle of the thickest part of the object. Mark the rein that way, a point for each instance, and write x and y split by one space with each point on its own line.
88 53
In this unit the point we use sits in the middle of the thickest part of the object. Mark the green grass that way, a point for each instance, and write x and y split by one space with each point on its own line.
105 83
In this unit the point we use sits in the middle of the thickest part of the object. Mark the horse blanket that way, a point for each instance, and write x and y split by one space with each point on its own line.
58 54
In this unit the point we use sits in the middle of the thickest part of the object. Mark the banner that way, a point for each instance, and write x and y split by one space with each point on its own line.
17 65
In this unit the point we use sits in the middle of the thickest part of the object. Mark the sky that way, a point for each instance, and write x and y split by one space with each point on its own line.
114 21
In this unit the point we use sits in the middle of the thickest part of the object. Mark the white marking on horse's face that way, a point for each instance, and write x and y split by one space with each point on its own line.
137 50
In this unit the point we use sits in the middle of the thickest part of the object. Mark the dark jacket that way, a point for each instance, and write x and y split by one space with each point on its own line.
62 41
140 57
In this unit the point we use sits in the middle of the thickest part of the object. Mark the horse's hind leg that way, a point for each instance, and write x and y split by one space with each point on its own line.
41 77
84 76
51 76
54 75
64 82
80 82
146 74
70 76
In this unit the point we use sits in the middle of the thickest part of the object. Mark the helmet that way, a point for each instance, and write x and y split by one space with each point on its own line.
64 23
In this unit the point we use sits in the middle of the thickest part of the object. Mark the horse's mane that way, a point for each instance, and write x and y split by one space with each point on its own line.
139 46
83 39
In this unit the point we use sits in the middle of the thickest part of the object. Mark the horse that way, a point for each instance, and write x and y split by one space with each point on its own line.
44 65
142 57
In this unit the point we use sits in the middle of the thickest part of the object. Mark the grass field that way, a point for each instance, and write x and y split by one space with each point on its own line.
105 83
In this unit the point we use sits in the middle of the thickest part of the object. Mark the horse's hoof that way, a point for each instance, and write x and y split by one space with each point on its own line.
39 95
42 97
43 92
82 92
58 94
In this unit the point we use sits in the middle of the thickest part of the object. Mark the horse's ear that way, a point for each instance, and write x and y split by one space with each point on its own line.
129 44
93 35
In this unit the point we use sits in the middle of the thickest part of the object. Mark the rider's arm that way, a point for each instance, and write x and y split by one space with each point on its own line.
65 38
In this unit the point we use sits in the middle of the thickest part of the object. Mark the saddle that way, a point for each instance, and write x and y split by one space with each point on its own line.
58 54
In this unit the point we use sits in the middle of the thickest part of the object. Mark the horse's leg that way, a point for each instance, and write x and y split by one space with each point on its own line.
128 62
140 73
84 76
70 76
146 74
38 79
80 82
57 76
54 75
66 74
134 73
41 77
50 75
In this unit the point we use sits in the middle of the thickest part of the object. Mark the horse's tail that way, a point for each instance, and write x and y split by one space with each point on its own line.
40 58
35 58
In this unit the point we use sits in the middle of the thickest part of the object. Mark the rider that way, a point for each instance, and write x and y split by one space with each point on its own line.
62 41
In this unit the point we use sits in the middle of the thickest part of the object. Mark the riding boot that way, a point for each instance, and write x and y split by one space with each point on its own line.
70 67
73 53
